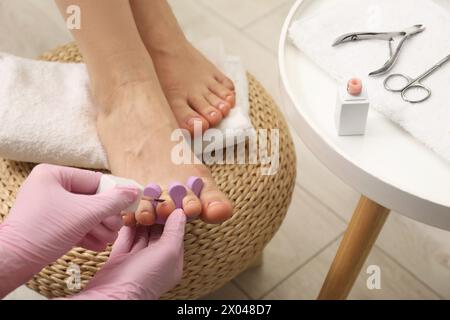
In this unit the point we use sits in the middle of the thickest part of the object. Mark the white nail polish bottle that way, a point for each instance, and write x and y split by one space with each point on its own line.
352 108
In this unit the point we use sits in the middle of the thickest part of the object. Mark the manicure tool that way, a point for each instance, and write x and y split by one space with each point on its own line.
388 36
177 191
413 84
152 191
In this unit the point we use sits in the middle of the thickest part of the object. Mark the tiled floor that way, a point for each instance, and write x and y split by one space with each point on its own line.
414 258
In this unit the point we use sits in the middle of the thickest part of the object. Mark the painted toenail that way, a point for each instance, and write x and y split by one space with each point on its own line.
214 203
145 213
191 201
222 106
192 121
213 114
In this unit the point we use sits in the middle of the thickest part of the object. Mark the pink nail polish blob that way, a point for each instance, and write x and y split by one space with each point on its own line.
354 86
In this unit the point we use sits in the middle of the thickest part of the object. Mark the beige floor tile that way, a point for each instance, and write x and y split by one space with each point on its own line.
308 227
396 282
24 293
241 13
186 11
314 177
228 292
267 29
422 249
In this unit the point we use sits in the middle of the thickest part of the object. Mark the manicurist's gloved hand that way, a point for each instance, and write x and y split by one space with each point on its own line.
56 209
145 263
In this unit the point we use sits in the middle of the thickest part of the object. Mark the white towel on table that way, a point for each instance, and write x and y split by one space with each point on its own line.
429 121
47 113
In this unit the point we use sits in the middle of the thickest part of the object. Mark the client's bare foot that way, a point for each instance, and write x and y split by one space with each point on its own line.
193 86
136 132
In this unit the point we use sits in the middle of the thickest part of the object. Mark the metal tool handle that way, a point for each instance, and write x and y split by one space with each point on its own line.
357 36
389 36
392 58
408 96
394 54
397 77
433 68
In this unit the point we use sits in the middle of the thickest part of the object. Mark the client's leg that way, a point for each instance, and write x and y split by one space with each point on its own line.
134 120
193 86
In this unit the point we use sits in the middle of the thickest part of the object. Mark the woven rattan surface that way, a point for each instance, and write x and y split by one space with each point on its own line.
214 254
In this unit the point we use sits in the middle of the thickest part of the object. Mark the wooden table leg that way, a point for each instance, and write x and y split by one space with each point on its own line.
362 232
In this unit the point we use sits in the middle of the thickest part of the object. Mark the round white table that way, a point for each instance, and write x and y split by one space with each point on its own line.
387 166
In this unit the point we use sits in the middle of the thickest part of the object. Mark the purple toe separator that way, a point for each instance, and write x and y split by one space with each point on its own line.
177 192
153 191
195 184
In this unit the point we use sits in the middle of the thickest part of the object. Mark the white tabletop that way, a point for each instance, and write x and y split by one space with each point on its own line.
386 164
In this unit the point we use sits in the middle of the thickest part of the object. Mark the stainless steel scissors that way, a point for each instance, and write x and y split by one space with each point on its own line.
413 85
388 36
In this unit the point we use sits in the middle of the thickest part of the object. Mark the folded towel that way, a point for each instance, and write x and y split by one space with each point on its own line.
47 113
428 121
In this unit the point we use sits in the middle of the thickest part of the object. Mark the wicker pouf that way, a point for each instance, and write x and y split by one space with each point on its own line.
214 254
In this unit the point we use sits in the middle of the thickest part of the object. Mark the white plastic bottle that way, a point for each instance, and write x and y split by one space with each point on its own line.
352 108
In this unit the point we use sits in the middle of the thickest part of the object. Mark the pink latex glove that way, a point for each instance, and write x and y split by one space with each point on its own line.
56 208
145 262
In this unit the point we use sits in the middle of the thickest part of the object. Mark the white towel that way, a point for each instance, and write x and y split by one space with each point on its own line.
429 122
47 113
